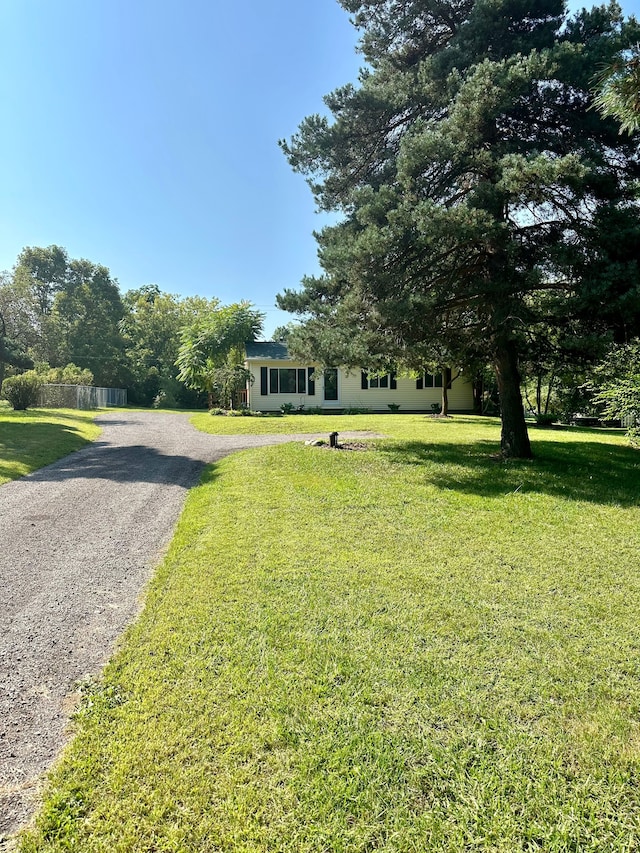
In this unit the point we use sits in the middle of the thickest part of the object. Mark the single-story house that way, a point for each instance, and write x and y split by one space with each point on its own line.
277 380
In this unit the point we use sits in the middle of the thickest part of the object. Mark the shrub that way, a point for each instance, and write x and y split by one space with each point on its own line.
622 400
357 410
242 412
545 419
69 375
394 407
22 390
286 408
164 400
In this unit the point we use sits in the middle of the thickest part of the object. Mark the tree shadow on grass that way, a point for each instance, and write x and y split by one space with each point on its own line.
575 470
47 450
37 443
10 416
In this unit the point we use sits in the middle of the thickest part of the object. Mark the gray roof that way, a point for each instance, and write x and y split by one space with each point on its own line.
266 350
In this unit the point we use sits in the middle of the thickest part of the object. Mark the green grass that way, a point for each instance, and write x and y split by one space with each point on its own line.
289 424
37 437
412 648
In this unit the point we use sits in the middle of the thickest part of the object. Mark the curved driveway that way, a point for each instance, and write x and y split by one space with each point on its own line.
78 540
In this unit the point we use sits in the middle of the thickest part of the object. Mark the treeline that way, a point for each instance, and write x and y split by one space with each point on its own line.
69 320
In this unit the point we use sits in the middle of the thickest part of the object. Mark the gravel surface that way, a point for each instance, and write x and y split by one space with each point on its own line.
79 540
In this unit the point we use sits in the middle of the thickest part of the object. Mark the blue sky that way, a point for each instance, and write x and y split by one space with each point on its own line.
142 135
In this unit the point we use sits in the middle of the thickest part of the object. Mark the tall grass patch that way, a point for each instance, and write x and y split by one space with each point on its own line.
411 648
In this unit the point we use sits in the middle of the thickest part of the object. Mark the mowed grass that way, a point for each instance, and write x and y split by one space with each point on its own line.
408 648
37 437
300 424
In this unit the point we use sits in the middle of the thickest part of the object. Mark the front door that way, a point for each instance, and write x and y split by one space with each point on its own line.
331 384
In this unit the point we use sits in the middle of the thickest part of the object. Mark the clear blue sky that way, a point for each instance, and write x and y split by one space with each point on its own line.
142 135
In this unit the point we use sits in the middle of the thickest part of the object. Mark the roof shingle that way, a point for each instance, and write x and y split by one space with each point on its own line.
266 351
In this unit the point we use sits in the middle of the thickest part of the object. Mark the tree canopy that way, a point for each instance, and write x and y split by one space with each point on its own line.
88 309
618 92
617 381
213 345
65 310
483 204
68 318
11 352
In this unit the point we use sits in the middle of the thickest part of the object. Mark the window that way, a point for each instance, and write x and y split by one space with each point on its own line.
286 380
429 380
387 380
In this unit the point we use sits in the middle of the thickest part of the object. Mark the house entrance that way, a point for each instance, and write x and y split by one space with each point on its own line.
331 383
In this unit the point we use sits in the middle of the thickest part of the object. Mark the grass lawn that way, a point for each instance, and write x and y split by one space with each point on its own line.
397 425
31 439
409 648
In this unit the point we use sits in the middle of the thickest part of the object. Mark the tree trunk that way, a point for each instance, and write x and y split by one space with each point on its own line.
514 441
444 407
548 400
446 384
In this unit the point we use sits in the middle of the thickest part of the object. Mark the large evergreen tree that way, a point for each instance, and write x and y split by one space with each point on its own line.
482 200
619 93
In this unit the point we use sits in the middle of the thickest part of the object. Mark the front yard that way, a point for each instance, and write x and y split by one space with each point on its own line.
412 647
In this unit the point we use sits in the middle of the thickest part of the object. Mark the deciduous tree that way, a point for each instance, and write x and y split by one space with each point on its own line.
151 330
617 380
46 271
215 340
88 310
12 354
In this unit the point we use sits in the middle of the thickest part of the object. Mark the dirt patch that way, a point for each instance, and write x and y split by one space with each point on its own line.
352 445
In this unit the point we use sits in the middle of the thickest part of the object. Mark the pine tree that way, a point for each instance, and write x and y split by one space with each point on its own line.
482 199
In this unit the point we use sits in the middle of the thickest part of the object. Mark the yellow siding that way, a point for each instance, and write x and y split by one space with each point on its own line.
406 395
351 394
272 402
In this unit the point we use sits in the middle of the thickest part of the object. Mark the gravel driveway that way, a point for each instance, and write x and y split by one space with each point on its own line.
79 539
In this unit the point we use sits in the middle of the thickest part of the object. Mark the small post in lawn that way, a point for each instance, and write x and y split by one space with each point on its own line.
333 439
